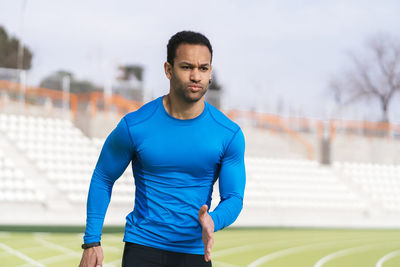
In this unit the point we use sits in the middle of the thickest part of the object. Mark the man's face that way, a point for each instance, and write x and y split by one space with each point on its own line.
190 75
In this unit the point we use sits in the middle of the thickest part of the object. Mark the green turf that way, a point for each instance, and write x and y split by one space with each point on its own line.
233 247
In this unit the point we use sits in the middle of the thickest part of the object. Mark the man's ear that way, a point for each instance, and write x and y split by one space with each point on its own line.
168 70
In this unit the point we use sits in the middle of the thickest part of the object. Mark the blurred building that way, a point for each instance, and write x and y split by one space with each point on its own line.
131 89
129 83
214 93
9 74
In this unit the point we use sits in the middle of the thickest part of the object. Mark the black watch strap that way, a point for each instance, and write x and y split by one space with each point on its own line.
90 245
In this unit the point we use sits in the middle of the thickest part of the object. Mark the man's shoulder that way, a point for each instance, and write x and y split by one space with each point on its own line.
143 113
222 120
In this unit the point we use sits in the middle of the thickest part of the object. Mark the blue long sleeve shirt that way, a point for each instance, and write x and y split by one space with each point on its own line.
175 165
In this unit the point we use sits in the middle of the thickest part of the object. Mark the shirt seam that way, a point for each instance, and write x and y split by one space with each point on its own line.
144 119
230 142
226 127
133 124
129 133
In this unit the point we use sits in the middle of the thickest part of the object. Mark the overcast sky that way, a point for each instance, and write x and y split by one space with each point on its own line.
265 51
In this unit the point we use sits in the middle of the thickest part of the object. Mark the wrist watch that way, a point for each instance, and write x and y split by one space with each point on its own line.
90 245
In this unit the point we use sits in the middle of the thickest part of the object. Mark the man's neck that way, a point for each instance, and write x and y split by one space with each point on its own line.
181 109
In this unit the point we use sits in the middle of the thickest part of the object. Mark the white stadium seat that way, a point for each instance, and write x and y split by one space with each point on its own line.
65 158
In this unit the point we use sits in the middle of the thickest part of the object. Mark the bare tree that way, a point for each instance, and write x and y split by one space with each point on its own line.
376 75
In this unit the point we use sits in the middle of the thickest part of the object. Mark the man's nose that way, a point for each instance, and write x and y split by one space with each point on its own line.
195 75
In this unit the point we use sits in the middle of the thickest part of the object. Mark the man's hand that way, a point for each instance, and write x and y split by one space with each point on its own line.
92 257
207 224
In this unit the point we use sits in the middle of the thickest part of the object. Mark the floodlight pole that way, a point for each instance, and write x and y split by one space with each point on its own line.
108 85
20 55
66 81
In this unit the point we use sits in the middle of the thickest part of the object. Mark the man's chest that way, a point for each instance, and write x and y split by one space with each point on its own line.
192 150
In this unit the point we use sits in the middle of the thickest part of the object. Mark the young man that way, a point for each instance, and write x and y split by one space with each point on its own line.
179 145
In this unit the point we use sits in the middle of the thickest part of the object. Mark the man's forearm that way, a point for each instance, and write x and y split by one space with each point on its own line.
115 156
227 211
98 200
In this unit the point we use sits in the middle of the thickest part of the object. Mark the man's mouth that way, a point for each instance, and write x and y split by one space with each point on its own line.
195 88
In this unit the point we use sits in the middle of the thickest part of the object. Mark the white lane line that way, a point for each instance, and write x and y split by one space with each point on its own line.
53 259
53 246
292 250
285 252
270 243
20 255
59 258
68 252
387 257
347 251
228 251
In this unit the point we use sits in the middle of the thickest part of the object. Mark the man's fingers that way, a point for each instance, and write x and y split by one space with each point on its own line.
207 246
207 254
92 261
208 231
99 256
99 261
207 257
92 257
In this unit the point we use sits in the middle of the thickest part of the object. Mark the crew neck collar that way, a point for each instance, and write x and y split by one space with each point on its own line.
202 114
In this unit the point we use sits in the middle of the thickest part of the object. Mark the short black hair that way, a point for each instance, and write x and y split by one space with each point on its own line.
185 37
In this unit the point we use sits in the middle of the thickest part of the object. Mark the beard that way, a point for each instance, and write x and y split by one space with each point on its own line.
182 90
189 96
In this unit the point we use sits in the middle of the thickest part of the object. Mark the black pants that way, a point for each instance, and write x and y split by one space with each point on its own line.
141 256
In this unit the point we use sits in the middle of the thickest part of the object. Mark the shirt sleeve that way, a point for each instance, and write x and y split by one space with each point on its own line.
115 156
232 180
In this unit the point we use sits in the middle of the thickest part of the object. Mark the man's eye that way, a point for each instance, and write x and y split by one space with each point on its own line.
204 68
185 67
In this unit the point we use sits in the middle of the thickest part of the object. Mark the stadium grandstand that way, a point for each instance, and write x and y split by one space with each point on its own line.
301 172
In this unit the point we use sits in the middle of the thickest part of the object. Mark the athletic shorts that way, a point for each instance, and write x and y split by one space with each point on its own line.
142 256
